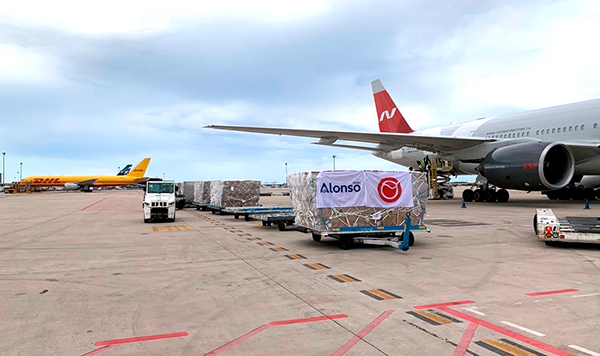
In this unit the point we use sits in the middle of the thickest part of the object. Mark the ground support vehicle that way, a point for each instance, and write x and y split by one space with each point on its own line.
382 235
200 206
282 220
247 210
553 230
159 201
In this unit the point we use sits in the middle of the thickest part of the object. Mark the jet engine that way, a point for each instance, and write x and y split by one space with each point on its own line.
529 166
72 186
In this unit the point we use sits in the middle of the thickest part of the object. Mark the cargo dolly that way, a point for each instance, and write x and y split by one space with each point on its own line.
200 206
246 211
282 220
553 230
372 235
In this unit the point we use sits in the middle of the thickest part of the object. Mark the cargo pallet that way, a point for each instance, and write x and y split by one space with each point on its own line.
553 230
371 235
282 220
247 211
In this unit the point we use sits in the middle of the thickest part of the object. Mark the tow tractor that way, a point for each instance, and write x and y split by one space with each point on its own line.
553 230
159 201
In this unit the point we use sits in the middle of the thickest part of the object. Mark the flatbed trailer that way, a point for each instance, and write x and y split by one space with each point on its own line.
200 206
246 211
282 220
371 235
553 230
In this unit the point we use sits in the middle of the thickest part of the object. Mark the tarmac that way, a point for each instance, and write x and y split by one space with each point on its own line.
81 274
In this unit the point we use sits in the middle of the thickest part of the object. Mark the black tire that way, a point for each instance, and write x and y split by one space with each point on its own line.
491 196
467 195
551 243
478 195
281 226
316 237
264 223
502 196
247 217
236 216
589 194
346 242
535 228
411 239
553 194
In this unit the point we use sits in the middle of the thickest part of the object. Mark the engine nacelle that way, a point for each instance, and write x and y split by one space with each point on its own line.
530 166
72 186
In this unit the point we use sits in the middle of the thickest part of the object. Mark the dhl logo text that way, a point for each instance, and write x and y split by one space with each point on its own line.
46 180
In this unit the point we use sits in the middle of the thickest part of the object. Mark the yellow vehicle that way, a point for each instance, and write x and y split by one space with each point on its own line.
85 183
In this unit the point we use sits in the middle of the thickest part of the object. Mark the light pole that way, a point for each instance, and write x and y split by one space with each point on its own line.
286 174
3 166
334 162
21 171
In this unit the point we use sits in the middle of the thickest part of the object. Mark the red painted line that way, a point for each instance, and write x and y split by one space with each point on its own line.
535 343
101 350
434 306
98 202
239 340
552 292
141 339
464 343
308 320
364 332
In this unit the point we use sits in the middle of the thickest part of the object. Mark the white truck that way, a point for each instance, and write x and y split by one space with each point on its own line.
159 201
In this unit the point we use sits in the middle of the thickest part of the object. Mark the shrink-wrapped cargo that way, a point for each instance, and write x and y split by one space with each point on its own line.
234 193
202 193
363 199
189 189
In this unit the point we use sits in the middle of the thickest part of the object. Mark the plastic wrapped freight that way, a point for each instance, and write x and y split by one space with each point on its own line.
202 193
303 189
234 193
189 189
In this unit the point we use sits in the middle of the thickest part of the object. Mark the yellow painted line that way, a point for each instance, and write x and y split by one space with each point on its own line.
171 228
437 318
280 249
295 257
316 266
265 243
508 348
254 238
343 278
380 294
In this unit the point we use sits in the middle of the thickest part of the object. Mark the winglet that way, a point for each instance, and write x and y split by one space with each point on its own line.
140 169
390 118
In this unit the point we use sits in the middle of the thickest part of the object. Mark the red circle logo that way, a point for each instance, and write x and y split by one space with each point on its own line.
389 190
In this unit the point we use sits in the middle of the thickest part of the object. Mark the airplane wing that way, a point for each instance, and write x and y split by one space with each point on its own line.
88 182
385 141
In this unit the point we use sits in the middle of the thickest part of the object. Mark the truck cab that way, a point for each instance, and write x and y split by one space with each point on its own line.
159 201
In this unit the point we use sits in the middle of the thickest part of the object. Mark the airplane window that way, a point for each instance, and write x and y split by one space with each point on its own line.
596 126
553 130
504 135
565 129
519 134
570 128
583 127
576 127
558 130
537 132
527 133
543 131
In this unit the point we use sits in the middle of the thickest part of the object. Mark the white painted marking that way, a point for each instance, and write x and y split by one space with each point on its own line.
542 300
533 332
579 348
472 310
584 295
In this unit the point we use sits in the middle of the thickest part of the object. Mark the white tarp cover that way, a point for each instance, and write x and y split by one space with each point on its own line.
363 188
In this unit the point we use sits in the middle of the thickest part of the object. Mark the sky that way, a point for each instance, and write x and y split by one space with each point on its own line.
86 87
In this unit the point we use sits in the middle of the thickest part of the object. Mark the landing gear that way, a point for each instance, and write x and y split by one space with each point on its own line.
483 194
573 193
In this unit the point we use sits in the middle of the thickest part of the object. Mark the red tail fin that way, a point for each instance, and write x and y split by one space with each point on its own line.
390 118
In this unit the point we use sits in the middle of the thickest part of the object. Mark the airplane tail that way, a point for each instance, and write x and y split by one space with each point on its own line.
140 170
125 171
390 118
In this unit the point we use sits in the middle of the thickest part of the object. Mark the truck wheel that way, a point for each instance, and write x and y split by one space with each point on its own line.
236 216
535 228
264 223
316 237
247 217
346 242
411 238
281 226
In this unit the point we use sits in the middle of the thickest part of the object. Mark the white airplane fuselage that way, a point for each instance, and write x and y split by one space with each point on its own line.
571 123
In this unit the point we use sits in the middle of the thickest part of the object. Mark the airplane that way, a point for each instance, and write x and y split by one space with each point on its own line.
125 171
553 150
85 183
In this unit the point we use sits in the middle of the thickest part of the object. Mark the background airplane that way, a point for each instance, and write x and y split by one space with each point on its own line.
86 182
553 150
